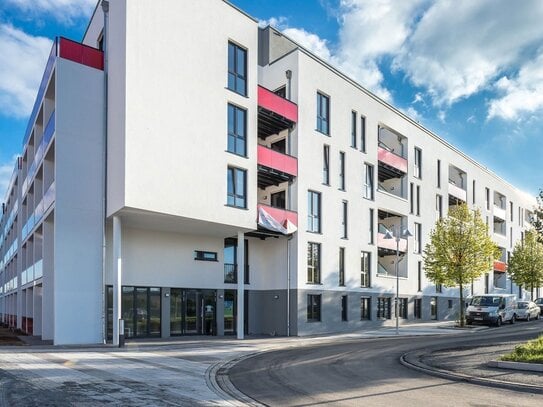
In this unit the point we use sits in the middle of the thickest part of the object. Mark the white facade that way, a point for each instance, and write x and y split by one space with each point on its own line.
169 114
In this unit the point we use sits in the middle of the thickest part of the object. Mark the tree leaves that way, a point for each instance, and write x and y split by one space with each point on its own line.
526 263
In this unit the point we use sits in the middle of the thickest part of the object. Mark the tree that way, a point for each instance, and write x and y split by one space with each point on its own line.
537 218
459 251
526 263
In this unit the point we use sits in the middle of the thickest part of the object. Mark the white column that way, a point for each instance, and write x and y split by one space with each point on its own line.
117 277
241 284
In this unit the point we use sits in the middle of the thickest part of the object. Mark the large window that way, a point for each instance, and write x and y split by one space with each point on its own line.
344 308
418 238
353 129
326 165
141 311
323 113
236 187
402 308
433 308
313 263
342 170
313 211
341 266
365 308
344 226
417 170
371 229
362 134
418 308
365 266
368 182
237 126
237 69
313 308
383 308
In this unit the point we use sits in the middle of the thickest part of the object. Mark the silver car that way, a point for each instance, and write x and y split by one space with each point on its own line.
527 310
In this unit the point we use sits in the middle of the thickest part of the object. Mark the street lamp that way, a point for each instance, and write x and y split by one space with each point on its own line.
397 235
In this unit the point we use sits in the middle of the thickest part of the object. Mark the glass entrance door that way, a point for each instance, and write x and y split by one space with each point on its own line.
192 312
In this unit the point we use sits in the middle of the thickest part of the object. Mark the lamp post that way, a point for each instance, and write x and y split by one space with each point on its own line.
397 234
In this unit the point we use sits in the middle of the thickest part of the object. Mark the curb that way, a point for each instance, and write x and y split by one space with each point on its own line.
530 367
411 360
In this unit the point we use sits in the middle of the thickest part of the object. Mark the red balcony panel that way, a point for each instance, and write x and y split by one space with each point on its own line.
80 53
277 161
392 159
281 215
500 266
274 103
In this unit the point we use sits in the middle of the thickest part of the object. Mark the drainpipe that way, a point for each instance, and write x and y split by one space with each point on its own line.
105 8
289 238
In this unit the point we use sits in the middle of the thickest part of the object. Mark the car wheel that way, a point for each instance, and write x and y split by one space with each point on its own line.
513 319
499 321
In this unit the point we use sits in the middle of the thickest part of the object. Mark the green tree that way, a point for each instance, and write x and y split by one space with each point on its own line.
459 251
526 263
537 218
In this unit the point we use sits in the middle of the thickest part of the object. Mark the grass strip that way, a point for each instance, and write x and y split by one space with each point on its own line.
529 352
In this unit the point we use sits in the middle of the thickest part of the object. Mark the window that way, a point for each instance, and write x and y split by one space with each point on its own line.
341 266
326 165
323 113
344 301
439 207
313 263
439 173
230 258
450 304
353 129
418 238
383 308
237 69
368 183
313 211
205 256
473 192
418 163
371 231
365 308
419 276
411 198
487 198
365 265
433 308
511 236
342 170
418 200
236 188
344 227
362 134
278 200
439 288
486 283
313 308
237 125
281 91
402 308
418 308
511 211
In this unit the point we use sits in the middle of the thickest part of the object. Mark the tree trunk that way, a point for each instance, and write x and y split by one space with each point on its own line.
462 307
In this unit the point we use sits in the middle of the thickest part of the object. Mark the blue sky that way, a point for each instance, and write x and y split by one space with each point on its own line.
471 71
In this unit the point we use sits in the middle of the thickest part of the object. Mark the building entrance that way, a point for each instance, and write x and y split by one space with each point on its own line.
192 312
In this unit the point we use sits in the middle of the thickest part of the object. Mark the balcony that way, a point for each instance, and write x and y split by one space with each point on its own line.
500 266
39 212
275 167
499 212
389 244
457 192
394 163
275 113
280 215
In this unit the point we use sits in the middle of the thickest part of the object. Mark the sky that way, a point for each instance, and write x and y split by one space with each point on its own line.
470 71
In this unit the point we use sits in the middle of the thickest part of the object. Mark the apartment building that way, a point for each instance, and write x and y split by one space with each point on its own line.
188 172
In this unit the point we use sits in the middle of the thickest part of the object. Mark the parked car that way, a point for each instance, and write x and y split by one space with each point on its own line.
492 309
539 303
527 310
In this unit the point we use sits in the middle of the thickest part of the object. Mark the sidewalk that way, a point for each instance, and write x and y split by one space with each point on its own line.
149 372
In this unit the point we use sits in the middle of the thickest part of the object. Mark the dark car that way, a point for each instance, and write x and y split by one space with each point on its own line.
539 302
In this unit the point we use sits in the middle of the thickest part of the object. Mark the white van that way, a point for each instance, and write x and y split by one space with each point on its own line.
493 309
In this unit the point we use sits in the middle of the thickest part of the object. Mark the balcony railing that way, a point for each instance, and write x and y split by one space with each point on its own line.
389 243
499 212
281 215
41 209
275 113
457 192
500 266
392 159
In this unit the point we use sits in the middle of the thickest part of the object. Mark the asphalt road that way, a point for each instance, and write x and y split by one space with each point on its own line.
368 372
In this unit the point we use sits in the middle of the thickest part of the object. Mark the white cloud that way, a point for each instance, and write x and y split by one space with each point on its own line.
23 61
522 94
64 11
459 47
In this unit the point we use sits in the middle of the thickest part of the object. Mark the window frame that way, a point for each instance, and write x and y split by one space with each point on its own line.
326 164
341 271
323 113
314 307
312 217
342 164
235 134
235 74
369 169
417 163
313 264
354 121
234 194
345 219
365 308
363 134
365 269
